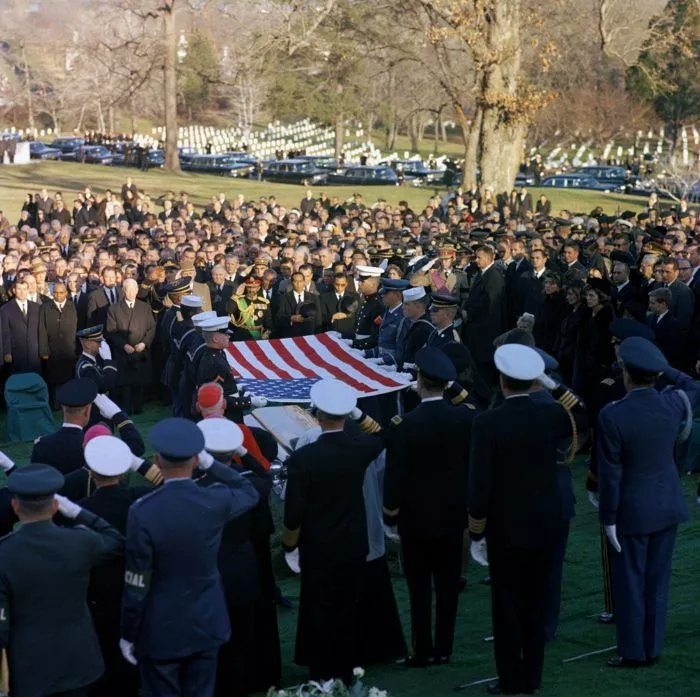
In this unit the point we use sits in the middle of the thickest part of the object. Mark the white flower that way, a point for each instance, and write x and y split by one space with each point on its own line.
358 672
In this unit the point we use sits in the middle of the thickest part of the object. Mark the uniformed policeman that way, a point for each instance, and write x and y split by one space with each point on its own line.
324 516
45 624
108 460
443 310
369 316
174 616
429 504
96 362
391 330
170 376
641 499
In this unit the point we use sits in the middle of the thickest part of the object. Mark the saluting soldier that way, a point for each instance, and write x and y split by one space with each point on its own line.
96 362
641 498
250 313
429 504
174 617
45 623
444 279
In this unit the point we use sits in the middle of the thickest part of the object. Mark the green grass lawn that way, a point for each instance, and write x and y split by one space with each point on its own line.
70 178
579 632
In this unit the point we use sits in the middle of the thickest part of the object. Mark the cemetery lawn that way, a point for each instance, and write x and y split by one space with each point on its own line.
675 676
70 177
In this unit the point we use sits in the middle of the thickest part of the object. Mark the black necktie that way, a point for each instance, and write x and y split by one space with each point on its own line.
75 299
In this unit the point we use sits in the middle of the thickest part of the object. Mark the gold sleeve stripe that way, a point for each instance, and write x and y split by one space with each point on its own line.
124 423
461 397
368 424
568 400
154 475
477 525
391 512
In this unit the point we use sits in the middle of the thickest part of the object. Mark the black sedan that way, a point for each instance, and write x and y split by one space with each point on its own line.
94 155
67 145
40 151
330 164
577 181
418 171
380 176
294 172
224 165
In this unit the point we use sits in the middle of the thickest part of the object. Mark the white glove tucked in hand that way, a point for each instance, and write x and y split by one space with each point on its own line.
127 649
479 552
5 463
106 406
258 402
611 532
593 498
377 361
66 507
241 451
391 534
105 352
356 414
292 559
205 460
135 463
547 382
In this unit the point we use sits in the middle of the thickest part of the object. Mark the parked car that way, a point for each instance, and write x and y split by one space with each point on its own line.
67 145
524 180
418 171
604 174
295 171
577 181
384 176
93 154
156 158
41 151
216 164
330 164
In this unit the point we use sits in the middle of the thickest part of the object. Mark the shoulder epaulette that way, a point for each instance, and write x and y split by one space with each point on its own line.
396 420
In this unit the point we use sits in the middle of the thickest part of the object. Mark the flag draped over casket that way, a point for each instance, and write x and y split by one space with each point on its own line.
283 370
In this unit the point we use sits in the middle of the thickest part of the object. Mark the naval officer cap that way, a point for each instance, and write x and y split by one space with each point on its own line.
94 333
215 324
108 456
220 435
518 362
201 317
369 271
333 397
413 294
176 439
35 481
191 301
624 327
435 365
78 392
641 355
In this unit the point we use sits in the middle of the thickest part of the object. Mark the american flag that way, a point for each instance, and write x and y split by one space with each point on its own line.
284 370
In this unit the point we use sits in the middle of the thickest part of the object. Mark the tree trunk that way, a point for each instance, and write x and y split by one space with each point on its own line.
172 159
28 88
100 118
413 129
339 133
470 138
502 131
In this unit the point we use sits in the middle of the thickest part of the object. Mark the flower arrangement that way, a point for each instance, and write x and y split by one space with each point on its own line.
331 688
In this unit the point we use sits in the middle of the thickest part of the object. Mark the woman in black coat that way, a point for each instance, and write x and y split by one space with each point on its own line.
550 313
565 347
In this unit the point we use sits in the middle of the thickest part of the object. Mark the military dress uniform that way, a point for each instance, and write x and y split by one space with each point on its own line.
45 624
367 323
415 338
103 373
189 344
441 337
393 325
251 319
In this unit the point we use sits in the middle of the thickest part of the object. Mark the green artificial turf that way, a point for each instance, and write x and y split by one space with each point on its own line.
579 632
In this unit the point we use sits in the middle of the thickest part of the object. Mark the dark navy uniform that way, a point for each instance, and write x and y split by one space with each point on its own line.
190 345
45 624
441 337
103 373
368 321
415 338
388 335
641 498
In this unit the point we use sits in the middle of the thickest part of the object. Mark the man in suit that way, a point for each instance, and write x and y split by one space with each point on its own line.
44 575
58 324
299 312
79 298
670 337
486 312
339 305
624 294
20 332
130 330
572 268
220 290
682 304
174 616
102 298
531 284
324 516
515 510
519 265
429 504
641 499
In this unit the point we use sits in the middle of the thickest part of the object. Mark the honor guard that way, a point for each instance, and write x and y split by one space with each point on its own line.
417 328
44 574
393 325
250 313
190 345
174 615
443 310
369 316
170 376
96 362
641 497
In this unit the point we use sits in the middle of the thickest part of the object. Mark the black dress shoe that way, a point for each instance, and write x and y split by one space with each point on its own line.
606 618
418 662
619 662
441 660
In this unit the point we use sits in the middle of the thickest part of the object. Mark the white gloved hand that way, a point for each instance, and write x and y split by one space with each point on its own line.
104 351
409 366
547 382
390 533
292 559
205 460
347 342
479 552
356 414
593 498
241 451
258 402
66 507
106 406
376 361
429 265
135 463
127 649
5 463
611 532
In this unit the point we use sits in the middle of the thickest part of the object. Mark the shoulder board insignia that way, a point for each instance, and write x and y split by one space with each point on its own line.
608 382
396 420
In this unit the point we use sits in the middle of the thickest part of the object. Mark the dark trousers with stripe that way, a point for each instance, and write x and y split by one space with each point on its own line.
605 551
641 575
